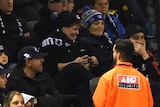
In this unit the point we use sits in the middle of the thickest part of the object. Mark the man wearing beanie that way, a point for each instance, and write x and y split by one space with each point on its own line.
63 63
144 60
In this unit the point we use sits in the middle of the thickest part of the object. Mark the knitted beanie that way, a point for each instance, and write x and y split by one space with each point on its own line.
90 16
67 19
133 29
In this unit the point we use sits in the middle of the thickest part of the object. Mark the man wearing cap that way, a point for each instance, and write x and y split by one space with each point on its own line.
3 82
144 60
28 77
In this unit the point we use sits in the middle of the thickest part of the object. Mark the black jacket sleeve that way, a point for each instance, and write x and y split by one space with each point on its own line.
152 67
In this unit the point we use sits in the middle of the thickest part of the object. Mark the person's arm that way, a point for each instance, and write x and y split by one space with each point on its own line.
141 50
100 94
82 60
152 67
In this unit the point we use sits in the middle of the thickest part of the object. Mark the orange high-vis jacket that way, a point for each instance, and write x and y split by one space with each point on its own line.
123 86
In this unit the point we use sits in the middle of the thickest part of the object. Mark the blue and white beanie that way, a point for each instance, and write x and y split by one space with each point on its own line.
90 16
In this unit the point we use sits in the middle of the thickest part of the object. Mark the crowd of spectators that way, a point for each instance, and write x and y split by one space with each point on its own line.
52 49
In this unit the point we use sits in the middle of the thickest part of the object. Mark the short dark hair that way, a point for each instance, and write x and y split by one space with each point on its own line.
125 47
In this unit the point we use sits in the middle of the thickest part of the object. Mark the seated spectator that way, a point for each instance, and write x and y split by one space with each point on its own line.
123 83
3 56
14 99
113 27
14 34
28 77
47 23
144 60
129 15
3 81
95 43
27 9
64 63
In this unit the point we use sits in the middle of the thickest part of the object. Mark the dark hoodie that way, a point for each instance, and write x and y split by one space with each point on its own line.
39 87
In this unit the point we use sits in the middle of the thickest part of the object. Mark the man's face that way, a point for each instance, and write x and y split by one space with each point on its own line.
6 6
71 32
3 81
138 38
3 58
102 6
58 7
36 64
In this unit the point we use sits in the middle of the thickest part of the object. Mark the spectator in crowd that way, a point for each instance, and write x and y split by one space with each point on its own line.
123 83
28 77
14 33
3 56
3 73
128 14
64 63
113 27
14 99
95 43
46 23
28 10
70 5
3 82
144 60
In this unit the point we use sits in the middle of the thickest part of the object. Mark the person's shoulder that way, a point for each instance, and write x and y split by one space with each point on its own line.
113 13
109 74
43 76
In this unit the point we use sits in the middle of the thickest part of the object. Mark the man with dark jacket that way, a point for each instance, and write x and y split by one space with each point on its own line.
27 77
14 33
143 59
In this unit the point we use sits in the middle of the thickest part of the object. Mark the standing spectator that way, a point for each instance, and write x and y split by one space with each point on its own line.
95 43
47 23
144 60
14 99
28 77
14 34
64 63
113 27
123 85
3 82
